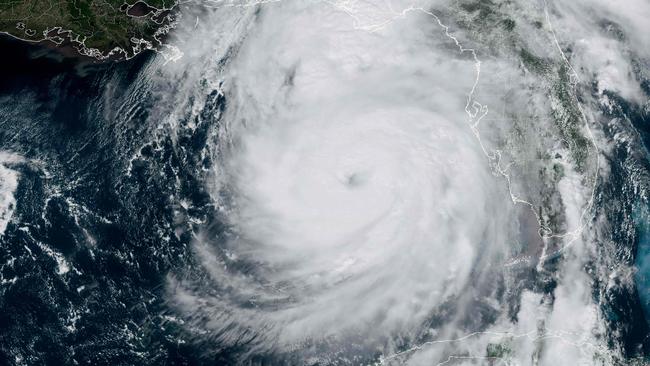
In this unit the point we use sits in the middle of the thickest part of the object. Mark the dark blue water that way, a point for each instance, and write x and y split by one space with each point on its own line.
626 237
642 275
101 191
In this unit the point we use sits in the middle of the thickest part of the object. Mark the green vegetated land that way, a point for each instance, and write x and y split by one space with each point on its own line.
95 28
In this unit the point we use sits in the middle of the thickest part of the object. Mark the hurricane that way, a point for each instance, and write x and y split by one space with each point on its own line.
354 181
336 182
359 195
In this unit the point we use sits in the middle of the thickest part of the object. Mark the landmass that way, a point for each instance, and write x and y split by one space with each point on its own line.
101 29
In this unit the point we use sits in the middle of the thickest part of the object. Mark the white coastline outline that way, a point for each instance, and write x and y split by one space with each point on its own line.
477 111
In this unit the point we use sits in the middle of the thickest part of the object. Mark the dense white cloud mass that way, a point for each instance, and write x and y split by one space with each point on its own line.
367 190
8 185
356 181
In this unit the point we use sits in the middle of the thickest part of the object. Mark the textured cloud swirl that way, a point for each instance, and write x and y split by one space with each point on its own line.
357 187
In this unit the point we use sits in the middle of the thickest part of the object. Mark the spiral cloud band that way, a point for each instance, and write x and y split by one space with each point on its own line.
359 199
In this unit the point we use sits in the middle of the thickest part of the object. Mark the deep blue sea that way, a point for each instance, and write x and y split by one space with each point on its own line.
96 230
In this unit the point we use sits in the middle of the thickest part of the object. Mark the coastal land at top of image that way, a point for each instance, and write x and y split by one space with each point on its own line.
100 29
